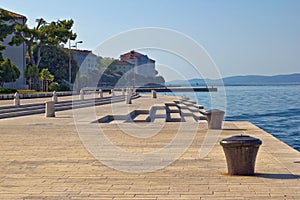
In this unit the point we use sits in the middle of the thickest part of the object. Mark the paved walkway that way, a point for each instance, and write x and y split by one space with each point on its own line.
10 102
44 158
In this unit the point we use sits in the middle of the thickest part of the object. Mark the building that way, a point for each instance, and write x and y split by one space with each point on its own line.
123 66
142 64
86 60
17 54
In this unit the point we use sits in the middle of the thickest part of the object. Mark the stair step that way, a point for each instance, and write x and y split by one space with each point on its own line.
141 118
189 119
174 117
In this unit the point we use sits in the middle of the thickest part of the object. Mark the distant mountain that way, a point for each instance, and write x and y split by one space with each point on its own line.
241 80
262 80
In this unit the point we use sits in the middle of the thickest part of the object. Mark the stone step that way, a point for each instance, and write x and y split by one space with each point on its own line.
172 109
159 120
142 118
189 119
199 116
186 112
174 117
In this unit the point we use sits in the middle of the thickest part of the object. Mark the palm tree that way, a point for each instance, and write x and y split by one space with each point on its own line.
32 74
46 77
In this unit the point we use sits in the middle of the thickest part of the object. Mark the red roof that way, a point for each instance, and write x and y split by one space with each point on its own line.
134 55
83 52
120 62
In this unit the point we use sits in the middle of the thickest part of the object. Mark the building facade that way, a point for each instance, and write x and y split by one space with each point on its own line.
142 64
124 66
86 60
17 54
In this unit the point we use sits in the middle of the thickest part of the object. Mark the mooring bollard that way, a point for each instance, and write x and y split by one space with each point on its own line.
215 118
17 99
101 93
49 109
240 152
154 96
81 95
54 97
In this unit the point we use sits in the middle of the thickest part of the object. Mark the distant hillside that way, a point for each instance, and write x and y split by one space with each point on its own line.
262 80
242 80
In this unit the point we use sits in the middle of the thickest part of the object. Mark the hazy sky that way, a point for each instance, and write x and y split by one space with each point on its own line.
241 36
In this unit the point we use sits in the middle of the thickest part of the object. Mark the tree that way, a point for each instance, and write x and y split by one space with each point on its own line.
105 62
7 25
8 72
46 77
42 34
32 74
56 59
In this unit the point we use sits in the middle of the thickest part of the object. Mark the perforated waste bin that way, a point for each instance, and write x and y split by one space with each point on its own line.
240 152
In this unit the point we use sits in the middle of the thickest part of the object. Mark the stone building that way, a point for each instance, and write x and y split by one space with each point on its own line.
86 60
142 64
17 54
123 66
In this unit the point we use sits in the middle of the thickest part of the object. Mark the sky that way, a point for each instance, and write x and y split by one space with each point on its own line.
241 37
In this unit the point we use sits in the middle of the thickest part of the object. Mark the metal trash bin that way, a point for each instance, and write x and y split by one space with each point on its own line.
240 152
215 118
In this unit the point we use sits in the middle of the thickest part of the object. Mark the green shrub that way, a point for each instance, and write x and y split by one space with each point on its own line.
26 91
54 86
7 91
58 87
63 87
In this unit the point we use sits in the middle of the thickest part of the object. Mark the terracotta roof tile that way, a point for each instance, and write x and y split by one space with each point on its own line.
119 62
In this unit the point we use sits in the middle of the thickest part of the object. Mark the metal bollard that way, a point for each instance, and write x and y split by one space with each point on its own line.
153 92
49 109
240 152
54 97
81 95
17 99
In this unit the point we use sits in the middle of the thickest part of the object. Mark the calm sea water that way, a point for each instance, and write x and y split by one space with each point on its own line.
276 109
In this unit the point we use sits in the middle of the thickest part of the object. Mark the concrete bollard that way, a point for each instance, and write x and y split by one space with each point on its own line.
54 97
112 91
128 97
101 93
123 92
153 92
215 118
49 109
81 95
17 99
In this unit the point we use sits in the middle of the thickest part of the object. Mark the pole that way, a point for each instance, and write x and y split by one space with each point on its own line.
70 64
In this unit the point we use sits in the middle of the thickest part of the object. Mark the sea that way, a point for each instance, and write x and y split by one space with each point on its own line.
274 108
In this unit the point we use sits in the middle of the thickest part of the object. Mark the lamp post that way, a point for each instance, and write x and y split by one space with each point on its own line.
70 62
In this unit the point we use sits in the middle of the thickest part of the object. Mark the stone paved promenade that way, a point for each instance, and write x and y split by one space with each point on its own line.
44 158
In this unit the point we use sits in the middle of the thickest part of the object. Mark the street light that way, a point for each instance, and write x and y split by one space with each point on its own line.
79 42
70 64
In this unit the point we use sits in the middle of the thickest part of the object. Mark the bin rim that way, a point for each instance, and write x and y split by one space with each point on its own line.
240 140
